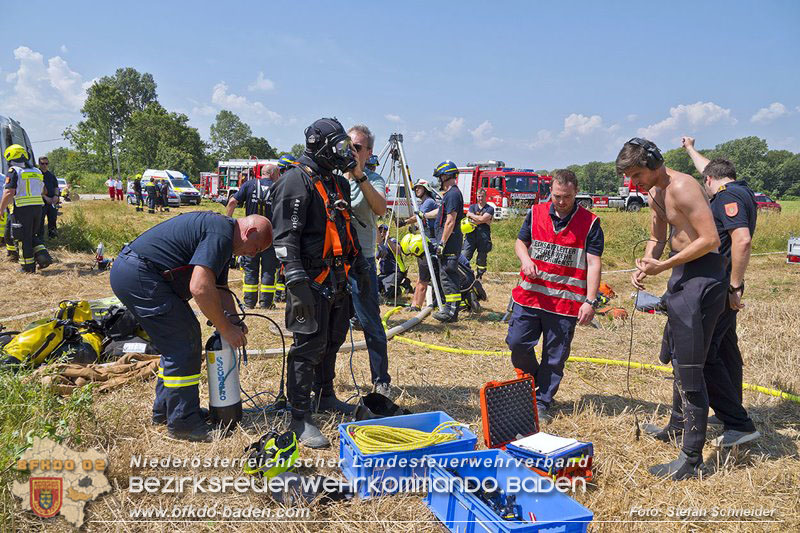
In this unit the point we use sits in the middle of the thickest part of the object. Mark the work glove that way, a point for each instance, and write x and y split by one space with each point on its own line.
301 313
401 222
437 248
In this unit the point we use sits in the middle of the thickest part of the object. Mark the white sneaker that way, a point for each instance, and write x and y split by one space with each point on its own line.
732 437
383 389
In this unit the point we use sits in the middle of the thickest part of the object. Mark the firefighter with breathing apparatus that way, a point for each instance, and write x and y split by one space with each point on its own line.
24 187
155 276
319 249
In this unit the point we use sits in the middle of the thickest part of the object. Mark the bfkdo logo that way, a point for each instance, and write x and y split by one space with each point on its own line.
46 495
62 481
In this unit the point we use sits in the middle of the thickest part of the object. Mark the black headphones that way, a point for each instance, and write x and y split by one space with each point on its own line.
654 157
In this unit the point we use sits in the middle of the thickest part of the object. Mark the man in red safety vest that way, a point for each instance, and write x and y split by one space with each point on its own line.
559 248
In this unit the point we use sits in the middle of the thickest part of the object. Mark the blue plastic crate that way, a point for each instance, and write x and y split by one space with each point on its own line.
357 466
463 512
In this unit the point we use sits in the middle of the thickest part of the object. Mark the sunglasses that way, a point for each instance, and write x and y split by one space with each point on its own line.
358 147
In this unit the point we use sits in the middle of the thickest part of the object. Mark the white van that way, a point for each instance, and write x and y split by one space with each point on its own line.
178 184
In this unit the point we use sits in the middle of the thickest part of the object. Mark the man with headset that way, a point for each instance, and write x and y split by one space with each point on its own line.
696 293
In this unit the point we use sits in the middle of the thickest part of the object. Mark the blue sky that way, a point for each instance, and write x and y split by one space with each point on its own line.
536 84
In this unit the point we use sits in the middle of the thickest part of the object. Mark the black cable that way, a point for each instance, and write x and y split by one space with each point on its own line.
352 372
630 344
281 401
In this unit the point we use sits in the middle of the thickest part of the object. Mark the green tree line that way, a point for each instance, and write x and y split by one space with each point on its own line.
125 129
775 172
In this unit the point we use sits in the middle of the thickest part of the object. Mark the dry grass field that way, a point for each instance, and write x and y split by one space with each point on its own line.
592 404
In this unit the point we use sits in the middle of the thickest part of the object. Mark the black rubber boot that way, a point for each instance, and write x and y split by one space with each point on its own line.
679 469
668 434
43 259
151 211
28 269
332 403
196 434
307 432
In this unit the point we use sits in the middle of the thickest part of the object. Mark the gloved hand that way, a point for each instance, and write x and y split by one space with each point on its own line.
301 313
437 248
401 222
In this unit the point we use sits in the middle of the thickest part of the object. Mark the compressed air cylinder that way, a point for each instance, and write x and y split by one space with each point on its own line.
225 400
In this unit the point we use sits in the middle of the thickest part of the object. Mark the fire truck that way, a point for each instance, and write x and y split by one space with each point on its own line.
631 198
229 176
508 190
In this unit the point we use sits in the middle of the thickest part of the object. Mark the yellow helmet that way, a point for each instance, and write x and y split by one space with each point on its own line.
412 245
466 226
15 151
138 176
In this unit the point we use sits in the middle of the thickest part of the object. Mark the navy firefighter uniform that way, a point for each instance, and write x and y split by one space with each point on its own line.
255 195
548 305
27 182
479 239
140 279
450 250
733 206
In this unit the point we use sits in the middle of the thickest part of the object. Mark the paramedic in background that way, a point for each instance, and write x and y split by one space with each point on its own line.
733 205
368 201
480 214
118 187
112 188
559 246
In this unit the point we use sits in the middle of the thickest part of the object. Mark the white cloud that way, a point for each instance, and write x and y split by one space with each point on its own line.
543 138
44 95
223 99
576 125
261 84
691 116
419 136
631 117
453 129
393 118
482 135
64 49
768 114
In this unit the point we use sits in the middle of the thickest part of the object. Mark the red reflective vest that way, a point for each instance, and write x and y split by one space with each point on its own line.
561 260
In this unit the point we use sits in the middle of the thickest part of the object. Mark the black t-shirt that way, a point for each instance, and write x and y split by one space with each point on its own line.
137 186
734 206
50 183
452 202
11 179
595 241
482 231
255 195
199 238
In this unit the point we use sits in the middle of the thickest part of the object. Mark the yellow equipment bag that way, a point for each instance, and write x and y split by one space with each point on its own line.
76 311
35 344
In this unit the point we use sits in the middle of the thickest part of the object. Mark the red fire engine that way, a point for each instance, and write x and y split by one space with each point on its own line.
507 189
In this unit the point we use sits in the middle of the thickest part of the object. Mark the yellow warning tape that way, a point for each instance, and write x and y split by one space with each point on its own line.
575 359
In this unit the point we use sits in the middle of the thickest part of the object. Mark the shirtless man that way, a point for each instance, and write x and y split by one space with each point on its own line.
695 297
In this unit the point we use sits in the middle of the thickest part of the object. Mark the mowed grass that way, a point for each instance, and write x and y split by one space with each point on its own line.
593 403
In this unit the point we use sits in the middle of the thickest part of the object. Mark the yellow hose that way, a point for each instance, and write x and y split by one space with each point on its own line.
378 439
575 359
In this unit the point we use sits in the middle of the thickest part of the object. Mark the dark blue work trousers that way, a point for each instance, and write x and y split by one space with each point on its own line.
525 327
368 311
174 331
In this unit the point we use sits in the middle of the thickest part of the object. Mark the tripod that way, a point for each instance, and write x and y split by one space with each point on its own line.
393 155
